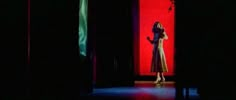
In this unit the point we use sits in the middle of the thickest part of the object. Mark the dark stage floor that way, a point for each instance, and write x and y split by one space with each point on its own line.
143 90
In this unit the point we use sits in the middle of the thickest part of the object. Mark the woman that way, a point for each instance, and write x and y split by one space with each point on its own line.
158 58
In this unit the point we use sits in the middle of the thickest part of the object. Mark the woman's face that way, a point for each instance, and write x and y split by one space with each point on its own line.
158 25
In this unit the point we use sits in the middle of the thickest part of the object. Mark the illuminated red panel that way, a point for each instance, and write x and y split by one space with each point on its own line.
151 11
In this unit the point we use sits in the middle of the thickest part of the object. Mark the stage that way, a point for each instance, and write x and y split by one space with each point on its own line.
143 90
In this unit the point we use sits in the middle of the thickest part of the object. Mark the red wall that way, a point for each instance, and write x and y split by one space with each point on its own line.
151 11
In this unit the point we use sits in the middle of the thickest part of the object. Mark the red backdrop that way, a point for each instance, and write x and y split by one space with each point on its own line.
151 11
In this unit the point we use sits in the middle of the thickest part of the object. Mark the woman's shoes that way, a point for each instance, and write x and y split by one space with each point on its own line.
163 79
157 80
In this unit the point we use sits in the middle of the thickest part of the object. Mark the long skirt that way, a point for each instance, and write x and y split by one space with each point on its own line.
158 63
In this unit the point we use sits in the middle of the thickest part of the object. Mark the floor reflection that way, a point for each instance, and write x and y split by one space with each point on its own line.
143 90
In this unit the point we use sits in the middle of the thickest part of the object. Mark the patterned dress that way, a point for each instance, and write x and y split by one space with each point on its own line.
158 63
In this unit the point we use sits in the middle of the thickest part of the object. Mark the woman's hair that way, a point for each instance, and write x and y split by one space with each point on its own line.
156 29
155 25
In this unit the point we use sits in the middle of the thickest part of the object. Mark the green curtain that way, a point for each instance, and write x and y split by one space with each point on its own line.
83 10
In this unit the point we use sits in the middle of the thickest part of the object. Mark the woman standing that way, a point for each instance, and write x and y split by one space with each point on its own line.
158 64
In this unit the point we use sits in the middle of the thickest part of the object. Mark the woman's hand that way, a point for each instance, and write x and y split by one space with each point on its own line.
148 38
165 37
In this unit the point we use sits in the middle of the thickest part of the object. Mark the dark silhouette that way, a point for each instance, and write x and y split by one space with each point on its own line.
158 59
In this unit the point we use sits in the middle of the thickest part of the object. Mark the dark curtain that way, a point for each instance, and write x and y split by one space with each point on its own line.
114 43
204 47
13 41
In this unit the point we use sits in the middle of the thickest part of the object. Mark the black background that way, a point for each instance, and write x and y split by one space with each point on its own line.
205 48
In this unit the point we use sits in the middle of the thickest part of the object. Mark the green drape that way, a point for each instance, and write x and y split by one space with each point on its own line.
83 11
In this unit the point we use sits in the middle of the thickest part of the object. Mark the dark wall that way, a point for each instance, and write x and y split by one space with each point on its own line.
204 46
114 42
135 20
13 45
58 71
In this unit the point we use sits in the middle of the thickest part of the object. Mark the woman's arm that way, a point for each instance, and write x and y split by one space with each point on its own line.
165 36
151 41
